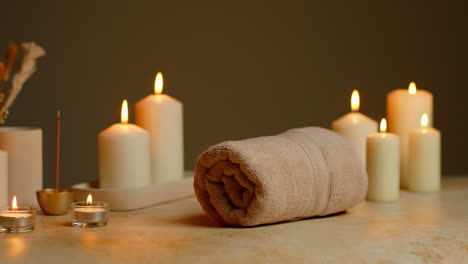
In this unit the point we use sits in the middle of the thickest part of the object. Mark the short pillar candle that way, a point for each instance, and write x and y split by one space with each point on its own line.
355 127
124 157
383 155
424 160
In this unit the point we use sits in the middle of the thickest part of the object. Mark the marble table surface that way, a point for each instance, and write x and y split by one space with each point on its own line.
419 228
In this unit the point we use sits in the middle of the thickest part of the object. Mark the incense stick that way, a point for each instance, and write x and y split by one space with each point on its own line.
57 151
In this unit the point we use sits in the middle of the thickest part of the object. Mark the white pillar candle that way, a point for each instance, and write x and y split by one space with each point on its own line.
124 158
161 116
3 178
404 110
424 165
355 127
383 166
24 146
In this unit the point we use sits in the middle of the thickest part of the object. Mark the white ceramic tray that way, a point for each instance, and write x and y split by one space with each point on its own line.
136 198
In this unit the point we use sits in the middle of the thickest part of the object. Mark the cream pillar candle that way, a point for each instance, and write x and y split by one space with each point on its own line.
383 165
355 127
161 116
24 147
404 110
3 178
124 157
424 165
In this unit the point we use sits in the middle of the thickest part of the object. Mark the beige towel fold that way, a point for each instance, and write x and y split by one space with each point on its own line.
298 174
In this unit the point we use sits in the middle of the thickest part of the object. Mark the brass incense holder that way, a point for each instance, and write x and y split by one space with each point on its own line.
55 202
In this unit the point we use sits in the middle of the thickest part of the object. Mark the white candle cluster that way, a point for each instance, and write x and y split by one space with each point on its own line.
149 152
409 156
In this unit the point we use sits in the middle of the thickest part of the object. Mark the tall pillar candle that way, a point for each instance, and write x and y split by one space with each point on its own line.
383 165
424 161
124 157
24 147
355 127
161 115
404 110
3 178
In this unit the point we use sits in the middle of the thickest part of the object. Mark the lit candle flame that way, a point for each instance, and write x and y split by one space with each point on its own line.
14 204
355 101
124 113
412 88
424 120
89 200
158 83
383 125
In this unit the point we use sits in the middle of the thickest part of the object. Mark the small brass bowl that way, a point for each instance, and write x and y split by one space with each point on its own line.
55 203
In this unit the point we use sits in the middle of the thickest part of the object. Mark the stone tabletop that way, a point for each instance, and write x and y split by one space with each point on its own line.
419 228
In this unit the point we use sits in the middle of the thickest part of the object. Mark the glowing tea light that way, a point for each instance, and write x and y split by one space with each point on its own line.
383 163
404 110
14 204
355 126
424 160
124 155
162 116
89 213
16 219
89 200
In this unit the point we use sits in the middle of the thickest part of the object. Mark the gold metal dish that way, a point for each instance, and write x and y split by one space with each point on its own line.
54 202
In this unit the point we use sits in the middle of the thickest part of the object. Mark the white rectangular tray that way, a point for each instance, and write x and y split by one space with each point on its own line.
136 198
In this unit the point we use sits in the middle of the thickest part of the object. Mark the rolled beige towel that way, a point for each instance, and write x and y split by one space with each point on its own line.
298 174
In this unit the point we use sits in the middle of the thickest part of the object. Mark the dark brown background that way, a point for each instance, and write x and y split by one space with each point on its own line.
242 68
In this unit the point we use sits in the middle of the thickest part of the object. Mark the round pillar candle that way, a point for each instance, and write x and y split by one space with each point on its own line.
424 160
383 165
355 127
404 110
124 158
24 147
162 116
3 177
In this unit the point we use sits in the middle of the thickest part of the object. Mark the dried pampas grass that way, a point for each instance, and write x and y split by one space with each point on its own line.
31 51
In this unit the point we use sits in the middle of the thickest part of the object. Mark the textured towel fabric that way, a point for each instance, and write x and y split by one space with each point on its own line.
298 174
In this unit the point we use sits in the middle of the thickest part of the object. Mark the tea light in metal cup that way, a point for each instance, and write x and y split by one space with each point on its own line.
89 213
16 219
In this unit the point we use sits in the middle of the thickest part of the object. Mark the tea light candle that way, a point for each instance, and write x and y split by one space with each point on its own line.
404 110
16 219
424 165
162 116
355 127
89 213
383 170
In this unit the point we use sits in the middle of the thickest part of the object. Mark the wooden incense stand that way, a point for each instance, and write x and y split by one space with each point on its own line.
56 201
